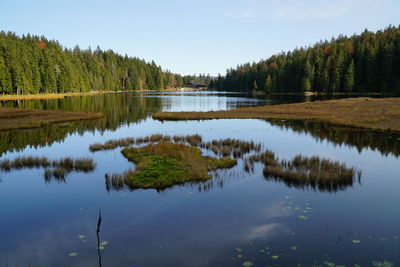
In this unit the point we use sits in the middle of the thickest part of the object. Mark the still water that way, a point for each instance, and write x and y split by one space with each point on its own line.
237 219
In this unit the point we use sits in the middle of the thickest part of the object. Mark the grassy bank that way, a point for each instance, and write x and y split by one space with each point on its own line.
15 118
48 96
165 164
364 112
62 95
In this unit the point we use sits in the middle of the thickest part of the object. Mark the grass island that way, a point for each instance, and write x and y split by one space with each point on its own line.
162 165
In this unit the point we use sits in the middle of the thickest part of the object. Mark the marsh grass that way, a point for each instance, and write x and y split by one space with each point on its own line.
370 113
165 164
57 169
224 147
193 140
231 147
16 118
305 172
162 161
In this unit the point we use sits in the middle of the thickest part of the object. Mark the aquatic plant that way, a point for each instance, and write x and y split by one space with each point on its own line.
305 172
56 169
223 147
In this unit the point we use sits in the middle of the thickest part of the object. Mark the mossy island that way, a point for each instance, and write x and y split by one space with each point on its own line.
165 164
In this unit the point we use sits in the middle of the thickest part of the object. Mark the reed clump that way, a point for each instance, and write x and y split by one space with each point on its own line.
305 172
53 168
165 164
224 147
231 147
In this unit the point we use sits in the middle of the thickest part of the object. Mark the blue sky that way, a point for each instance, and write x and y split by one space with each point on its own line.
187 37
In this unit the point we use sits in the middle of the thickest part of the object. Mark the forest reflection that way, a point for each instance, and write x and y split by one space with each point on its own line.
118 109
387 143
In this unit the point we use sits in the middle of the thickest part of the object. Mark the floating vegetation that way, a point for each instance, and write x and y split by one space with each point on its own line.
302 217
248 264
300 172
224 147
56 169
274 257
72 254
165 164
305 172
81 236
355 241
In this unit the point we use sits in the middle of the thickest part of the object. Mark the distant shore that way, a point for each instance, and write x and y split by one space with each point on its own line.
363 112
63 95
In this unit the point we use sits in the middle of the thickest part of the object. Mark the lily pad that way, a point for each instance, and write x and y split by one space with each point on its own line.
382 263
274 257
101 247
247 264
302 217
81 236
104 243
72 254
355 241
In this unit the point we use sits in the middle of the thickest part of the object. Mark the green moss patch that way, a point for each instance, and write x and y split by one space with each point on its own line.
166 164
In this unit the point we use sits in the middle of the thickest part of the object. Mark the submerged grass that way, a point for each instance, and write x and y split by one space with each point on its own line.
15 118
165 164
364 112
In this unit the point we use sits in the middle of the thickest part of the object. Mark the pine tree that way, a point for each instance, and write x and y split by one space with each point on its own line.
268 84
349 78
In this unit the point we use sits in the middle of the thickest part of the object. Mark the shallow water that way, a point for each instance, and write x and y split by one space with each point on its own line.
237 218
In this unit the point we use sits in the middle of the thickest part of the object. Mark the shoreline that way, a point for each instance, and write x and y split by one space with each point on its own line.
63 95
363 112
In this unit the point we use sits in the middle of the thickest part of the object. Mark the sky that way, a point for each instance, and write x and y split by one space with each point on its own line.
192 37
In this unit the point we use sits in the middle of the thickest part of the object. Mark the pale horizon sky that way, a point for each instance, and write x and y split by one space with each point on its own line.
190 37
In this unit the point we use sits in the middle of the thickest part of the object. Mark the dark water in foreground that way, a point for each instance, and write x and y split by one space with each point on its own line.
237 220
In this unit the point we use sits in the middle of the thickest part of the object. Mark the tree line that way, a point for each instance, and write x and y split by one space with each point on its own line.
369 62
32 64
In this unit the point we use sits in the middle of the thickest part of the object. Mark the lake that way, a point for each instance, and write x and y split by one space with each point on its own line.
236 219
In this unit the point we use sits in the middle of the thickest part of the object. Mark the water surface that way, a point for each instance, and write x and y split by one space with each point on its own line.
236 218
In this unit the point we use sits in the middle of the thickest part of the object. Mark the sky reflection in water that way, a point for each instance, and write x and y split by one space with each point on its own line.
245 219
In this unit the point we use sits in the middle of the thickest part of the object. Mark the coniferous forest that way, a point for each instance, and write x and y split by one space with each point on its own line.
365 63
33 64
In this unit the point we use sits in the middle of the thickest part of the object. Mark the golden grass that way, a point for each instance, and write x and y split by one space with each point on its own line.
49 96
15 118
364 112
62 95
